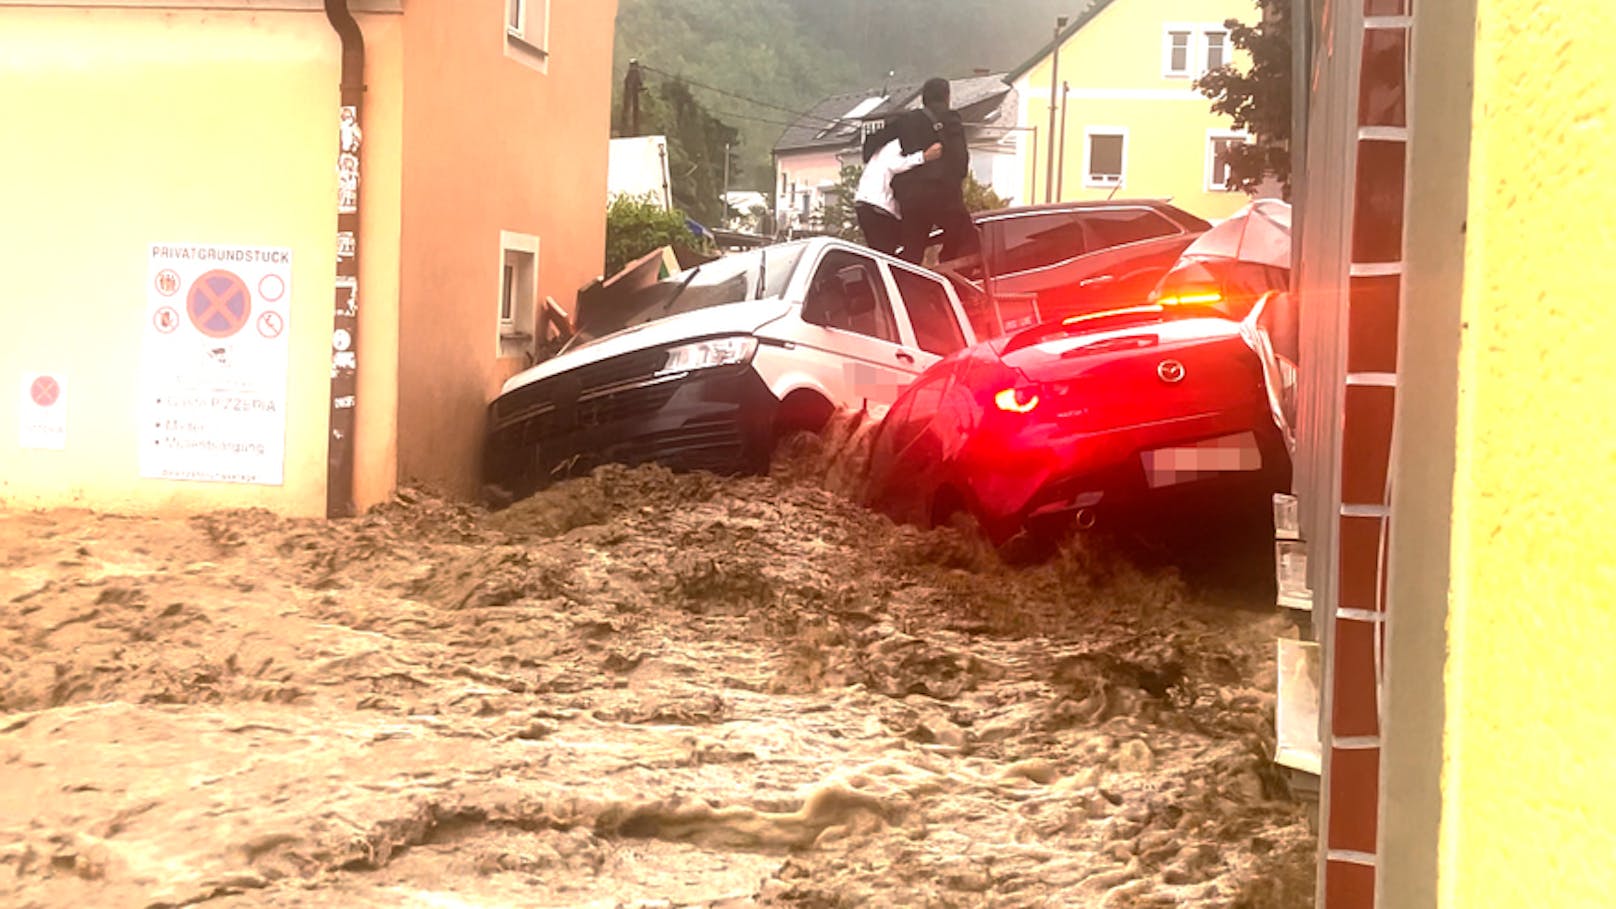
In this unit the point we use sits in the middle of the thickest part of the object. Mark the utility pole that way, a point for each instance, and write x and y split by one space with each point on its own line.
724 219
1054 82
633 84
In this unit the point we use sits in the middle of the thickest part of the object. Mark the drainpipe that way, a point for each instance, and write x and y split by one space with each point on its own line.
340 459
1060 179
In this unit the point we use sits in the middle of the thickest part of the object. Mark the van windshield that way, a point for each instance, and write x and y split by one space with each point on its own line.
732 279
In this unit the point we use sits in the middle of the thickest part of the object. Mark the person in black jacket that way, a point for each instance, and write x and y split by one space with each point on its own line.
932 195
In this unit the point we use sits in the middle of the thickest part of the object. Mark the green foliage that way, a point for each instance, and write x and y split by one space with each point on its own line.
696 147
748 47
793 53
1258 99
837 216
635 227
981 198
916 39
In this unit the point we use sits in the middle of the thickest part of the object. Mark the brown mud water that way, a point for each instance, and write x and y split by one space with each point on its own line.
635 689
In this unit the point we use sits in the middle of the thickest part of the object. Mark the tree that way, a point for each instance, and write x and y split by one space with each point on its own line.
635 227
698 143
1258 99
836 215
791 54
981 198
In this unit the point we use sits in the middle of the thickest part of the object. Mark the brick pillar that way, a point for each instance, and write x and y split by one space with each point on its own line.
1356 646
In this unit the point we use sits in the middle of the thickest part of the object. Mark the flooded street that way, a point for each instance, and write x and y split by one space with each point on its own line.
637 689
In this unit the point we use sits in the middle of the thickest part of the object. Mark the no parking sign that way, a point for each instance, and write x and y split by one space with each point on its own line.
44 411
214 363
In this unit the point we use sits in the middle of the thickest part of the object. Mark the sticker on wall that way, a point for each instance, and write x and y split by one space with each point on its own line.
348 128
214 361
44 411
347 183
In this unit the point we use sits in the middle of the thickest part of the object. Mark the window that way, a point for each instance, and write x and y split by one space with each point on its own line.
1218 170
1193 48
507 294
1107 156
1037 241
1216 50
518 293
1120 226
1176 49
527 32
931 313
847 294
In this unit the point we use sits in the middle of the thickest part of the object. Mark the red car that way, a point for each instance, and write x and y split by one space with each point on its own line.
1077 419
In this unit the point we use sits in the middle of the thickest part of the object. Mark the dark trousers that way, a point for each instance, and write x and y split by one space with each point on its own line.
881 230
926 211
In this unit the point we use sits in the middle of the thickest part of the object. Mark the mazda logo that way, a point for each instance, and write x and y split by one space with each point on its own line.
1171 372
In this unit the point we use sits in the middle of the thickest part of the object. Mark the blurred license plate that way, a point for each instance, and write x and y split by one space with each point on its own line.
1213 457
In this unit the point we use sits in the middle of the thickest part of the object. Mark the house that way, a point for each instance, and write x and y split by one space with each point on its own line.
812 151
1108 107
1454 470
282 255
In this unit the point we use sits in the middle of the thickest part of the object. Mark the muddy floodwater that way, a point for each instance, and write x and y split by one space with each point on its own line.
637 690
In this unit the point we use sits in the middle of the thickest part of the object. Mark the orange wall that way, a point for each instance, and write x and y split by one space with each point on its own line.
376 427
464 182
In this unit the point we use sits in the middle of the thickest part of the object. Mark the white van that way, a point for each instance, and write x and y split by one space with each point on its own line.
716 363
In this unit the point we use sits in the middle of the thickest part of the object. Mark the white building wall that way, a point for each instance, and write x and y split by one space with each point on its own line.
801 180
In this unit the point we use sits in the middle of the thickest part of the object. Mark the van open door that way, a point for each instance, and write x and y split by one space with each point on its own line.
992 315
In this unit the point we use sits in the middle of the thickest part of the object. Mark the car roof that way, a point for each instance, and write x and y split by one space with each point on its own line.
1160 205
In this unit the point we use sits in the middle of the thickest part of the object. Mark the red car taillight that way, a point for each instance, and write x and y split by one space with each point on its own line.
1017 400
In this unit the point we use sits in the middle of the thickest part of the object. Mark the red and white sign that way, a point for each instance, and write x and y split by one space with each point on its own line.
44 412
214 363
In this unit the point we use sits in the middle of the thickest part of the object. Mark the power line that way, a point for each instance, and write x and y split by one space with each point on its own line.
724 91
798 114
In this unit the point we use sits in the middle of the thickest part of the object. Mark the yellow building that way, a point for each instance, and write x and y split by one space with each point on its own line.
282 254
1457 454
1115 113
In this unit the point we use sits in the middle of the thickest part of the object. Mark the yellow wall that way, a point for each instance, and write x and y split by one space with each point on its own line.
490 145
1118 56
1528 801
146 126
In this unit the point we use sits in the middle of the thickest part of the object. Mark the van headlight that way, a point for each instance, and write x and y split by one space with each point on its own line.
709 354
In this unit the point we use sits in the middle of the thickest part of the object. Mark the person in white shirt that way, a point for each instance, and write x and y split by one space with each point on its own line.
876 207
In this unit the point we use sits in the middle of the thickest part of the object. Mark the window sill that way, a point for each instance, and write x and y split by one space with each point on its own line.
526 52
